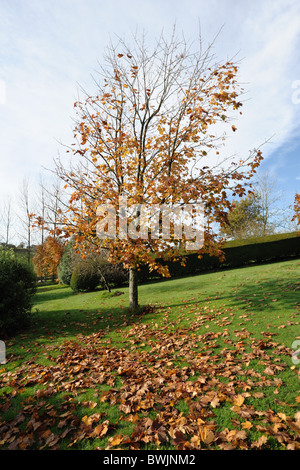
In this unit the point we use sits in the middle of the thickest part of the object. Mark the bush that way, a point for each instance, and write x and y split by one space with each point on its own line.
85 276
17 286
114 274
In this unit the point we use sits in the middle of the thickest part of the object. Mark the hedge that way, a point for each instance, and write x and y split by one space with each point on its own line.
261 239
279 248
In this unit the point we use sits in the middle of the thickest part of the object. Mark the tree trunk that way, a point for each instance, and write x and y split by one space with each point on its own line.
107 286
133 289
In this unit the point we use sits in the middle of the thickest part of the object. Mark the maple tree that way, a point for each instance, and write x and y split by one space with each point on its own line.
151 134
48 256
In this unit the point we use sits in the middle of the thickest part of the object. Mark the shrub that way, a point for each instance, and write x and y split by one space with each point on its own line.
108 274
17 286
85 276
114 274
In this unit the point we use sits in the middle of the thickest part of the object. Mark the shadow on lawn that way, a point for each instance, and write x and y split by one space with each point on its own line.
45 294
58 324
270 295
240 293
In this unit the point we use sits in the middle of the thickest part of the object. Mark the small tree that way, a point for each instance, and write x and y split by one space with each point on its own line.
48 256
67 263
150 134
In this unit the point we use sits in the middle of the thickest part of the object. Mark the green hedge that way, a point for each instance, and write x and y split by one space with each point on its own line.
274 248
263 239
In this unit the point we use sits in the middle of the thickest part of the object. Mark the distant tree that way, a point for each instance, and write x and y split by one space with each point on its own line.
27 215
7 220
41 198
296 216
48 256
271 201
245 218
263 212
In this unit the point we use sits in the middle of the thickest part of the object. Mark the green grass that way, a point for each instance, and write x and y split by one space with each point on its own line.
243 321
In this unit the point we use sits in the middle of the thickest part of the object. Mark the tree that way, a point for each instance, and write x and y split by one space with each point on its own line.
41 198
48 256
51 205
7 220
67 262
263 212
245 218
270 201
150 135
296 216
27 215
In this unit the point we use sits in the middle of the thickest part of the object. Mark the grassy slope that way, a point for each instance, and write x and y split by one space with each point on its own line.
258 303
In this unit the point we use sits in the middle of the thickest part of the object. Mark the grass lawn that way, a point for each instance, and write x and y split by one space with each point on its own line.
205 365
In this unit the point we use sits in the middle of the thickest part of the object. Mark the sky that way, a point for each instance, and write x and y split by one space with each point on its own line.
50 48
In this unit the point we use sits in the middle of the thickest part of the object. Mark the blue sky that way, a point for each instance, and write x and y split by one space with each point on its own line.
50 47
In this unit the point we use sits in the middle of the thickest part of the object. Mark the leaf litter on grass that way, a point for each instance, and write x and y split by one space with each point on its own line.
146 382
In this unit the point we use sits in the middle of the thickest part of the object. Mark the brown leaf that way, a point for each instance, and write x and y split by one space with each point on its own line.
269 371
260 442
215 402
206 435
238 400
101 429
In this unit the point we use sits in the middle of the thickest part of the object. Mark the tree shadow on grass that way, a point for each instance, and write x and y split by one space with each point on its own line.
55 326
57 293
270 295
51 293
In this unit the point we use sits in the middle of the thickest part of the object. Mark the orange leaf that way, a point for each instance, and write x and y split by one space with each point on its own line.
246 425
238 400
115 441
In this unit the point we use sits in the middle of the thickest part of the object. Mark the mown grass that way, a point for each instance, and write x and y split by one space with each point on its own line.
263 301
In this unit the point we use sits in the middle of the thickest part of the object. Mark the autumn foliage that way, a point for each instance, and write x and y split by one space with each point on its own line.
152 133
297 208
48 256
